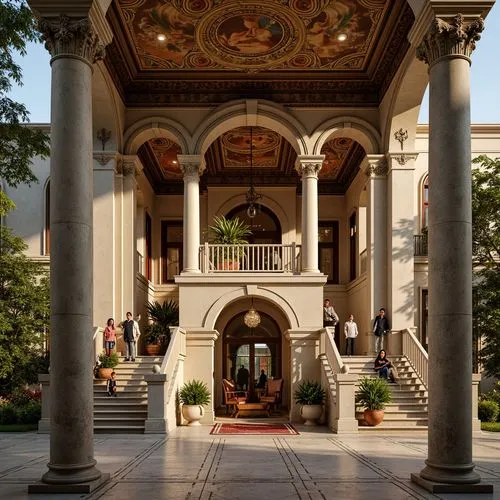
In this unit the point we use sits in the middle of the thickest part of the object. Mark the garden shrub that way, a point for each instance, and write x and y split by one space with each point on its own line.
30 413
488 411
22 397
8 414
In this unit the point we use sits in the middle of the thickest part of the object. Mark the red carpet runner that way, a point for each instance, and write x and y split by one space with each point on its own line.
256 429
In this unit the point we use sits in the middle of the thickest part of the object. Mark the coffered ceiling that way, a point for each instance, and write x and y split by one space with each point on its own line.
297 52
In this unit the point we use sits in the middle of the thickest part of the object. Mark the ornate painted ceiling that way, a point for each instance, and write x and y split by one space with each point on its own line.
292 51
272 161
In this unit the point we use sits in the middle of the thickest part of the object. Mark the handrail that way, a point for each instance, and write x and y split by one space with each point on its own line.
329 348
417 356
98 339
420 245
176 350
268 258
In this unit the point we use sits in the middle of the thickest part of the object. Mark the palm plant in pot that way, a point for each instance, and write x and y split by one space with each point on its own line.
162 316
194 395
229 232
373 394
310 395
106 365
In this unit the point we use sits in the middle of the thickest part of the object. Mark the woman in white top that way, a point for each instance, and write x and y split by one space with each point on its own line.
351 332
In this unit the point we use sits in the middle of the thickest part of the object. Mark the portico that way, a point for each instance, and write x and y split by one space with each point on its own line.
336 153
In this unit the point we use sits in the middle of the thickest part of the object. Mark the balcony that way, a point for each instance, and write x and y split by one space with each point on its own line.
420 245
250 258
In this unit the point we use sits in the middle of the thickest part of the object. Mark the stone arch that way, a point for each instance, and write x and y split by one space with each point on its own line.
346 126
250 113
217 307
267 201
149 128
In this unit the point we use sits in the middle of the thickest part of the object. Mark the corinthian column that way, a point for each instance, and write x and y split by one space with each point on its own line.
74 46
447 48
192 167
308 167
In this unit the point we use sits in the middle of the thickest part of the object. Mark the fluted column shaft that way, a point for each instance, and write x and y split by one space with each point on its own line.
192 168
308 167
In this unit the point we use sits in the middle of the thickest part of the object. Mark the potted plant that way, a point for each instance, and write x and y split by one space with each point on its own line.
193 396
106 365
373 394
310 395
229 232
163 316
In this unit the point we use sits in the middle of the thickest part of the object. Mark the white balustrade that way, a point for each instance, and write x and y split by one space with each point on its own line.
416 355
250 258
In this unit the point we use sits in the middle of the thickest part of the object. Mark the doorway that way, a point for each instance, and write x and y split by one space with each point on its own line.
249 351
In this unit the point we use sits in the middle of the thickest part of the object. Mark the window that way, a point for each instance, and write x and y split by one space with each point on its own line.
46 239
265 226
425 202
328 248
148 247
352 246
171 250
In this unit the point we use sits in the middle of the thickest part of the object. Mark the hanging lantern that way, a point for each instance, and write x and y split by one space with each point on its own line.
252 317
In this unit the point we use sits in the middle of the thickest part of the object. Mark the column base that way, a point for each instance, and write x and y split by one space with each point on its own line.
84 488
156 426
44 426
435 487
345 426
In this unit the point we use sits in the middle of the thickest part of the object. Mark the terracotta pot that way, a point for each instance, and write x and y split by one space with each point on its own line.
193 414
311 414
105 373
229 265
152 349
373 417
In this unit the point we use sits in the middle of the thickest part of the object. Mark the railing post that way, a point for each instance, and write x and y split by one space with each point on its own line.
294 257
44 422
206 259
345 406
156 422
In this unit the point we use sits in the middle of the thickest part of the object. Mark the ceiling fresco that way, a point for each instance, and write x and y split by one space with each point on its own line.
251 48
273 161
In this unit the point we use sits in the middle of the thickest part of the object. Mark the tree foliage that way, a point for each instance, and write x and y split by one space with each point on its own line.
18 143
24 314
486 251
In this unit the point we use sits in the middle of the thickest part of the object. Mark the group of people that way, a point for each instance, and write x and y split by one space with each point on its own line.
131 334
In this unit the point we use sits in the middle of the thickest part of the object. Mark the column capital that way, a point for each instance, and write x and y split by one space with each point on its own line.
192 166
128 165
309 166
79 30
401 161
375 166
452 38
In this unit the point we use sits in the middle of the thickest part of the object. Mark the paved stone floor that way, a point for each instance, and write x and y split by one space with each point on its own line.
191 464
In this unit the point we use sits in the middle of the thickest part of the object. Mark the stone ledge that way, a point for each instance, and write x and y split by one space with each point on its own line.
433 487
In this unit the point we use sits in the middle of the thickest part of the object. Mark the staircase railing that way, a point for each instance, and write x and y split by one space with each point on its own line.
329 348
98 341
417 356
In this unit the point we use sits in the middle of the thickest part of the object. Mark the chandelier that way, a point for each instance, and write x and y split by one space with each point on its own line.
252 317
252 195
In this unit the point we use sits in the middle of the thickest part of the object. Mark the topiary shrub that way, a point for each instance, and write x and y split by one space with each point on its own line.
8 414
487 411
30 413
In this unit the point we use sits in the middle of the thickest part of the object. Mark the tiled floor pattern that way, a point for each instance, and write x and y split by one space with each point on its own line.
190 464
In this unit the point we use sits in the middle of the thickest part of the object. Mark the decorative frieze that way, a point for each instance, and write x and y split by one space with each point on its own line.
72 38
450 39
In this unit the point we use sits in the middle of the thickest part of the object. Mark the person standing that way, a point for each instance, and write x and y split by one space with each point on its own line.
380 329
110 336
131 334
330 317
351 332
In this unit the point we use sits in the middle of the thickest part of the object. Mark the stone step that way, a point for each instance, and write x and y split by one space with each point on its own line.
99 390
130 429
125 383
395 414
392 428
117 405
117 413
118 421
126 376
125 398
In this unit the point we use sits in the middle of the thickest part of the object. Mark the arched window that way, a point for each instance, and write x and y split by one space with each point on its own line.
425 203
46 232
265 226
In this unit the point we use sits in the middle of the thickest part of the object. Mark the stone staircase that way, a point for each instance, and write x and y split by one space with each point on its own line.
128 411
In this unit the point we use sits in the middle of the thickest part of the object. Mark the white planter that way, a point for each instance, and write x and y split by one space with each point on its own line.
311 413
193 414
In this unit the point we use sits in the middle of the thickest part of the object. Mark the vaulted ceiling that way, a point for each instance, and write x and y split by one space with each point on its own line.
271 160
295 52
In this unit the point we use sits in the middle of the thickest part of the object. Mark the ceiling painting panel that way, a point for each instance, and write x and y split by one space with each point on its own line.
165 152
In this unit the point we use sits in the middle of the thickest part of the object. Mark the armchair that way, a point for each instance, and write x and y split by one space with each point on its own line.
274 393
232 396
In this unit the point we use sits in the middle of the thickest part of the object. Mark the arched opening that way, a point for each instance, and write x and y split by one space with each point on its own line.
265 226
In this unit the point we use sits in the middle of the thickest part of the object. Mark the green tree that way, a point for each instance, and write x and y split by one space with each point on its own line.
18 143
486 251
24 314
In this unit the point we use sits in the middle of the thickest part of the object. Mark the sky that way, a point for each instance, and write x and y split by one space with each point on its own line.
485 78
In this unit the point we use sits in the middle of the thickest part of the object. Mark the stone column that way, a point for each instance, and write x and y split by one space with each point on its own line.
74 46
192 168
308 167
375 168
447 48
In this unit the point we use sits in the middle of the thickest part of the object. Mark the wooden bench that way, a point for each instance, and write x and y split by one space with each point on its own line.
252 409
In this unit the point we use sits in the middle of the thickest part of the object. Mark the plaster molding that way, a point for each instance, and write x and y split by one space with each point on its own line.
104 157
455 38
309 166
401 161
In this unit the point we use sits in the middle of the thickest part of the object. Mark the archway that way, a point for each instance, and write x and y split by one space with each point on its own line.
265 226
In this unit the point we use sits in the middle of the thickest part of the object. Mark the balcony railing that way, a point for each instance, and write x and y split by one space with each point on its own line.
420 246
250 258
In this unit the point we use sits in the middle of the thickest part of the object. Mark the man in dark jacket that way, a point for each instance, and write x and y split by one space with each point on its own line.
380 329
